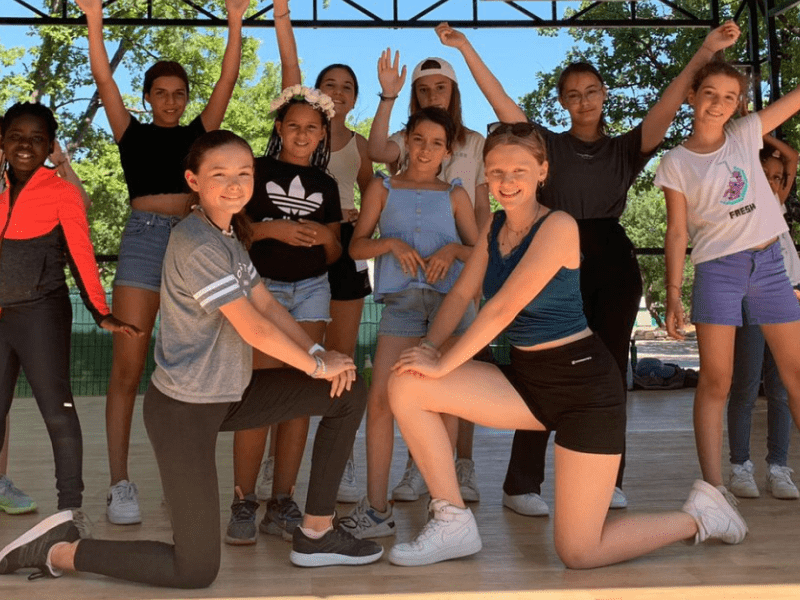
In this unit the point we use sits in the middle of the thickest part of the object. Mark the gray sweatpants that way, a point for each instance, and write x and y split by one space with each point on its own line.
184 438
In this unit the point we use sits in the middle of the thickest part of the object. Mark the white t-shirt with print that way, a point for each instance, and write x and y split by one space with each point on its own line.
730 206
465 163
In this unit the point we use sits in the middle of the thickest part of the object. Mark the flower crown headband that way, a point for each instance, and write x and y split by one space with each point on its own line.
315 98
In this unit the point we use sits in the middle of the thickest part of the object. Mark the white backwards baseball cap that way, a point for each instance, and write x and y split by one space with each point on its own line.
445 68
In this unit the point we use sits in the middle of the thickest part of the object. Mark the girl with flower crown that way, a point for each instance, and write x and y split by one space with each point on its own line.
295 212
350 166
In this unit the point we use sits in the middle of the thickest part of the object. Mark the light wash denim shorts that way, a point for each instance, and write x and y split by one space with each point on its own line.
411 312
141 252
306 300
754 281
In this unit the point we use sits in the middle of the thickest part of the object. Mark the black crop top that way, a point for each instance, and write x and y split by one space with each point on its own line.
152 156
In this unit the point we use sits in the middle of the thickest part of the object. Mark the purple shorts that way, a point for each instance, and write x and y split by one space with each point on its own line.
751 280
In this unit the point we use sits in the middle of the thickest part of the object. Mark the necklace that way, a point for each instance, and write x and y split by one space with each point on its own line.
518 233
228 233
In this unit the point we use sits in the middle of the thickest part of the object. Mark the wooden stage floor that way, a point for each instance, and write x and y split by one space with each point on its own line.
517 561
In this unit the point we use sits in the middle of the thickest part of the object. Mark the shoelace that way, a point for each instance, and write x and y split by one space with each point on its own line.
431 527
732 500
288 509
410 477
358 516
783 474
243 511
464 471
125 492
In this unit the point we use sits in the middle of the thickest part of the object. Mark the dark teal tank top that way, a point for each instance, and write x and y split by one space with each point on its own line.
555 313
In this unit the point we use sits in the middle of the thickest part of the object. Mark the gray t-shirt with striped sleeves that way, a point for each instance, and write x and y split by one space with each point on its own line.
200 358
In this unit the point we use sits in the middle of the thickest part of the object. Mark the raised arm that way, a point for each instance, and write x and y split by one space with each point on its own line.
118 116
504 107
658 120
774 115
675 242
214 112
391 78
290 66
789 158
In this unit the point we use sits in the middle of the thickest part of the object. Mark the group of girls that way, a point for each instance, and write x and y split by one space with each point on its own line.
217 302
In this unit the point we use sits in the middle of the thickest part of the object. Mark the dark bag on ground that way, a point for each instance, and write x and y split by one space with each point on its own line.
652 374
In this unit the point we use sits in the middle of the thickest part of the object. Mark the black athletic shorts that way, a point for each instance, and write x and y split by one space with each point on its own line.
347 282
574 390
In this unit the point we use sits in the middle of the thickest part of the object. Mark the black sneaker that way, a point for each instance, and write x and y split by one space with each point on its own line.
282 517
31 548
242 529
337 547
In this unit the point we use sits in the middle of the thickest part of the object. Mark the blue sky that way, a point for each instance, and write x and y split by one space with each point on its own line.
515 55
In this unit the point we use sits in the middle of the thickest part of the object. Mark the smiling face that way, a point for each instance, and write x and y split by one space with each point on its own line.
716 99
26 144
427 145
583 95
301 131
513 174
339 85
168 98
434 90
224 181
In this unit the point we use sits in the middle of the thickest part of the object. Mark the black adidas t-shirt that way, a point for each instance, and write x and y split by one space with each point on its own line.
287 191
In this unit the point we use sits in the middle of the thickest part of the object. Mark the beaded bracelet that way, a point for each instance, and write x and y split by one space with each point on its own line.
320 370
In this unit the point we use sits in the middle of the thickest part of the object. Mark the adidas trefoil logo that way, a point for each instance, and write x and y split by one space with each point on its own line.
294 201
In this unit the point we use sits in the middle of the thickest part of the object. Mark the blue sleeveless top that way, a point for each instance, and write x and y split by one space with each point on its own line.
555 312
424 220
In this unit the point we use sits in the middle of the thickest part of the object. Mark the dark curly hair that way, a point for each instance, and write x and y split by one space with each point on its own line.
322 153
33 109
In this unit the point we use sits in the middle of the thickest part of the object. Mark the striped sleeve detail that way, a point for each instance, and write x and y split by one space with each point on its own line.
217 289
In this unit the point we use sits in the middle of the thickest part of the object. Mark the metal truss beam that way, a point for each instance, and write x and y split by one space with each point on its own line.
393 14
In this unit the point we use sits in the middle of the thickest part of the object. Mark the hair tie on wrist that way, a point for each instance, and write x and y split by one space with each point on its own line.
385 98
286 14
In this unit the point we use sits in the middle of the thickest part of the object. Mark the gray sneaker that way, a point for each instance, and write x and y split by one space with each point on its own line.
123 504
780 484
365 522
467 482
411 486
337 547
282 517
242 530
30 550
741 481
82 522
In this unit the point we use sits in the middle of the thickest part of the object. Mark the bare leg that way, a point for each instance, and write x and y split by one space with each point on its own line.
248 450
138 307
783 343
380 423
480 393
715 344
583 537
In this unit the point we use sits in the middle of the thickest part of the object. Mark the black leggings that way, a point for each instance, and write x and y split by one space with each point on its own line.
184 438
611 286
36 337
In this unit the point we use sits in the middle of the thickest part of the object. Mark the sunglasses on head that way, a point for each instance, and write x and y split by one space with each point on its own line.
518 129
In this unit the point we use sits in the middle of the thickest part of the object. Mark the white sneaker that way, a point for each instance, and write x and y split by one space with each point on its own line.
365 522
411 486
348 486
741 481
618 499
465 472
780 484
529 505
451 533
264 485
123 503
714 515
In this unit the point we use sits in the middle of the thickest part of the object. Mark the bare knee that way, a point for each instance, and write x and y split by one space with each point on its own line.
714 386
575 555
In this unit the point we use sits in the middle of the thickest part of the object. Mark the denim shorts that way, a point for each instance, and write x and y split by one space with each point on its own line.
411 312
141 252
754 281
306 300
